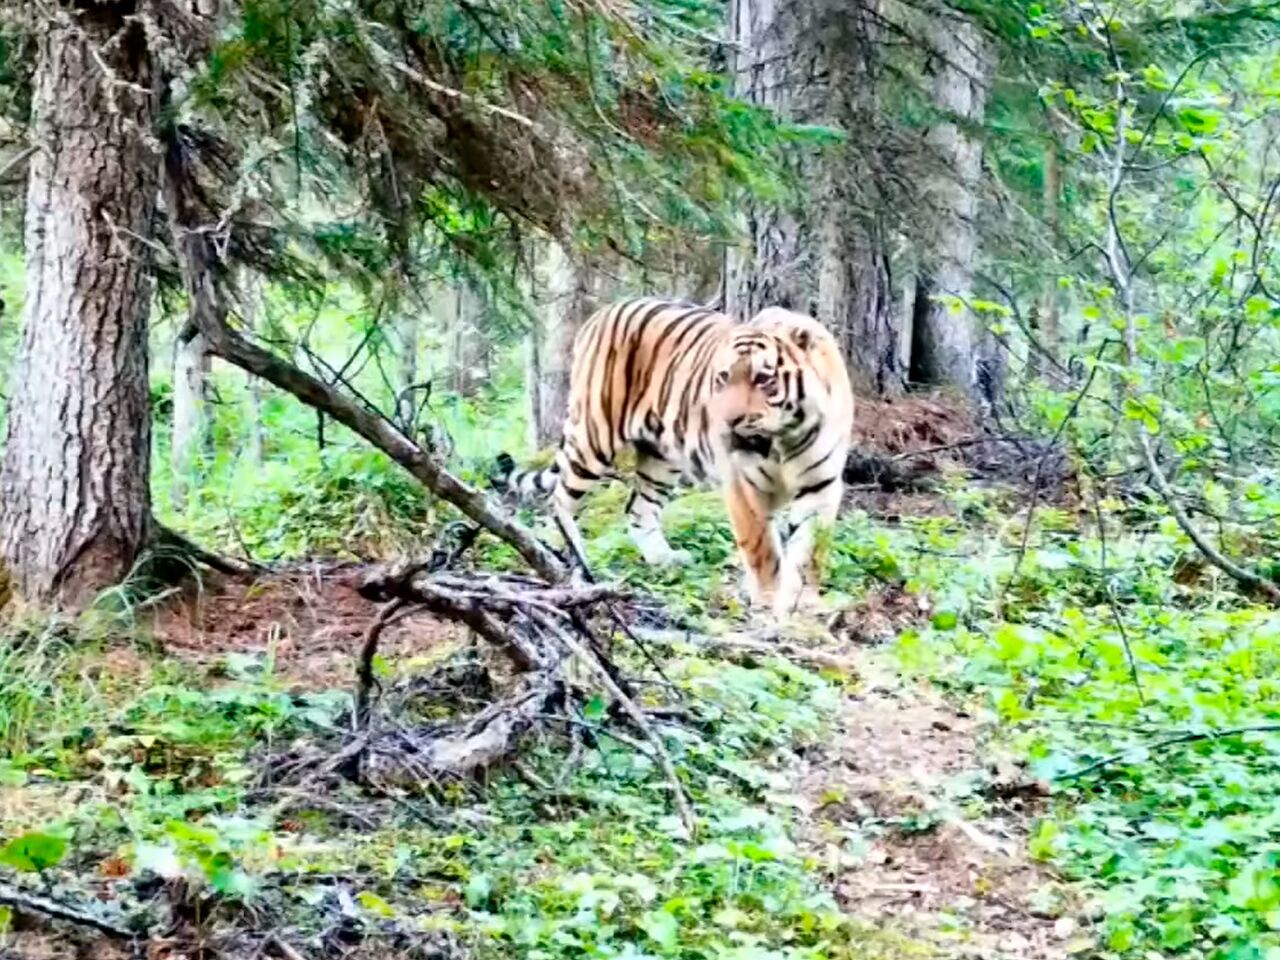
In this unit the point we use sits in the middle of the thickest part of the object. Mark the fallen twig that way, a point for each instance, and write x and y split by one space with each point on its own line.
739 647
284 949
390 612
83 916
959 445
1167 742
166 537
642 723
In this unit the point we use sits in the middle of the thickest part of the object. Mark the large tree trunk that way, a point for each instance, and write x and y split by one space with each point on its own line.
74 480
855 302
949 344
814 61
776 268
565 292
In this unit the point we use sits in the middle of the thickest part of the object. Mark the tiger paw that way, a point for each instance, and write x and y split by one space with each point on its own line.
665 556
805 602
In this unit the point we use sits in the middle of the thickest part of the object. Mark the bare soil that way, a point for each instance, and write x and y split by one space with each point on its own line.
309 619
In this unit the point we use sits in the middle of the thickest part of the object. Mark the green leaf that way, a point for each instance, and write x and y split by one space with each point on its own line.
593 710
661 927
945 620
1199 121
478 890
33 852
160 859
1155 77
375 904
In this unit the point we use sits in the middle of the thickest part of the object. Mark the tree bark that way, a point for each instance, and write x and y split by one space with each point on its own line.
775 268
404 333
468 344
191 435
564 295
815 61
1047 315
948 343
74 480
251 306
535 346
855 301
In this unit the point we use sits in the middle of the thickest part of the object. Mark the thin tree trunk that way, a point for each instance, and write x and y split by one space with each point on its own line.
566 292
251 307
539 429
1047 326
74 481
468 343
405 337
191 435
948 342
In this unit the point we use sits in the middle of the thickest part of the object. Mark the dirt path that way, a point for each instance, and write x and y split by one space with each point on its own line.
908 823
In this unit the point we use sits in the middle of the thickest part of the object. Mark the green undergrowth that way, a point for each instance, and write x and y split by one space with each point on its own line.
556 859
1140 688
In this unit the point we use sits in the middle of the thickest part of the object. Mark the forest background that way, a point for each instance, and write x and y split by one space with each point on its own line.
281 277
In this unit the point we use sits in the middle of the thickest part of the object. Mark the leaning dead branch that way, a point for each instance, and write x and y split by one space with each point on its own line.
203 276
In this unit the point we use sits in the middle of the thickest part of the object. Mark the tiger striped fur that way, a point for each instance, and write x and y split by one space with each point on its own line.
764 407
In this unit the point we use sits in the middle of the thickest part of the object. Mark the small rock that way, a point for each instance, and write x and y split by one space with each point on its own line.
1015 943
1064 928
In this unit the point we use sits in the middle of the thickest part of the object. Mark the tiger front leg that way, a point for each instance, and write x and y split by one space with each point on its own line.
813 512
655 479
750 515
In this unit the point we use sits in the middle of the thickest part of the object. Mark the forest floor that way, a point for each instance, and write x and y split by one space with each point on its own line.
894 772
1023 735
880 805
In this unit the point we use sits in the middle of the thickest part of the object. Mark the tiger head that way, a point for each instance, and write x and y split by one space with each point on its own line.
811 369
748 397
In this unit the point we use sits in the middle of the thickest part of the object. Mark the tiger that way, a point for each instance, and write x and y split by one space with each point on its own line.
763 407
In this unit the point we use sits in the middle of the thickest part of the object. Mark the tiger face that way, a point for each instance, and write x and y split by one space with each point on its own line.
747 394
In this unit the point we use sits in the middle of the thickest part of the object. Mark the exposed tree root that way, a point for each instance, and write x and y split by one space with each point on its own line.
170 542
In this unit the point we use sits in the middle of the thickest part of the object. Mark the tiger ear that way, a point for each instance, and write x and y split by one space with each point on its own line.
802 338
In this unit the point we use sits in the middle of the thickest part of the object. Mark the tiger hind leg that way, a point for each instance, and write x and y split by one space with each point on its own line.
654 480
574 479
